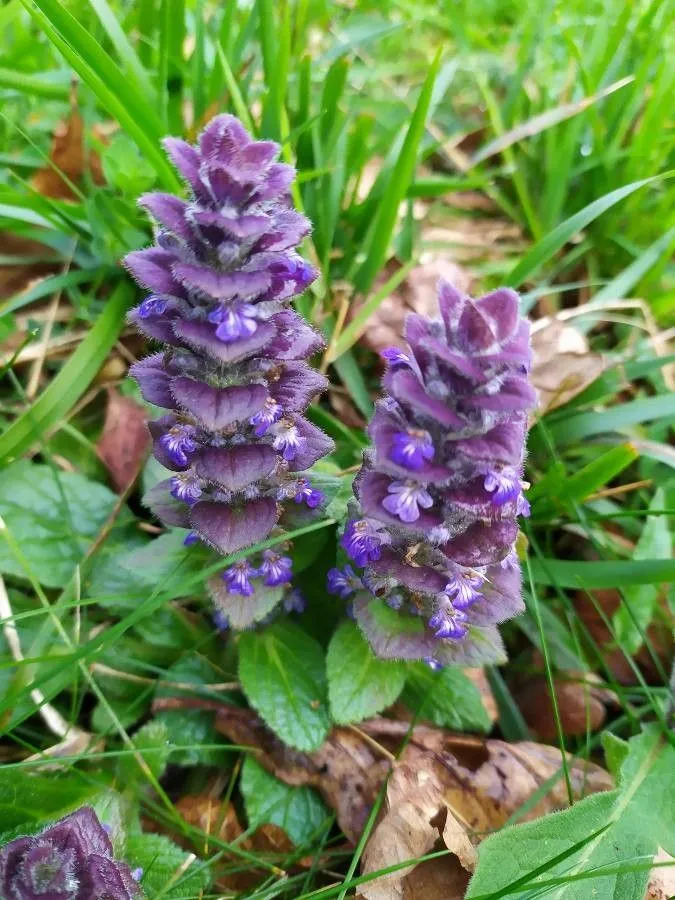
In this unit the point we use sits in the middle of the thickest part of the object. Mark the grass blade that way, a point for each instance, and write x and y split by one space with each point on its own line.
548 246
71 382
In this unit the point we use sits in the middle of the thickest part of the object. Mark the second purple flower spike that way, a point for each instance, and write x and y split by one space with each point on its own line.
440 492
233 375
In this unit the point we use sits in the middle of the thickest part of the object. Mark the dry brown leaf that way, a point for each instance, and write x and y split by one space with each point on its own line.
581 705
19 276
125 439
210 815
415 819
563 364
484 781
67 158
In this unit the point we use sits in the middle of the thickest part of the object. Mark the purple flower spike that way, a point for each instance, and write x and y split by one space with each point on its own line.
412 448
232 373
238 578
305 493
276 569
437 544
71 860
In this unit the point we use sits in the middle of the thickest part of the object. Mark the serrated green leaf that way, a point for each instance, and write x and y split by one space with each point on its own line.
29 799
359 684
282 672
628 823
54 516
448 698
298 810
163 864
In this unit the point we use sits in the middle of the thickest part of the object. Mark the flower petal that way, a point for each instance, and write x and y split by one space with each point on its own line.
202 336
316 444
153 380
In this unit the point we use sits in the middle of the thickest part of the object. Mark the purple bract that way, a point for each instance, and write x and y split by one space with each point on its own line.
71 860
441 489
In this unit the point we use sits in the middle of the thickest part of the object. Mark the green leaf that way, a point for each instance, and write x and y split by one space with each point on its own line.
548 246
54 516
71 382
27 800
382 228
567 850
447 698
164 867
639 601
625 281
298 810
282 673
616 751
125 168
359 684
152 743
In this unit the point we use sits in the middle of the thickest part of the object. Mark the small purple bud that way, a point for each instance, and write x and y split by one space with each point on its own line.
404 498
305 493
237 578
268 415
287 439
523 507
191 538
152 306
342 582
294 602
396 358
179 443
433 664
220 620
395 601
186 487
362 540
137 873
411 448
276 569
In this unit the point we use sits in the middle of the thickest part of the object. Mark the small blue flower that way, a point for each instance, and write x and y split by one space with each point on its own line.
342 582
268 415
404 498
463 588
412 448
288 440
396 358
179 443
276 569
236 321
294 602
186 487
433 664
237 578
504 486
190 538
448 623
305 493
362 540
152 306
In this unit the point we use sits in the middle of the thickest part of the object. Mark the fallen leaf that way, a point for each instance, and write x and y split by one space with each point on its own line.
564 364
415 818
124 440
21 275
581 705
484 781
210 815
66 156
